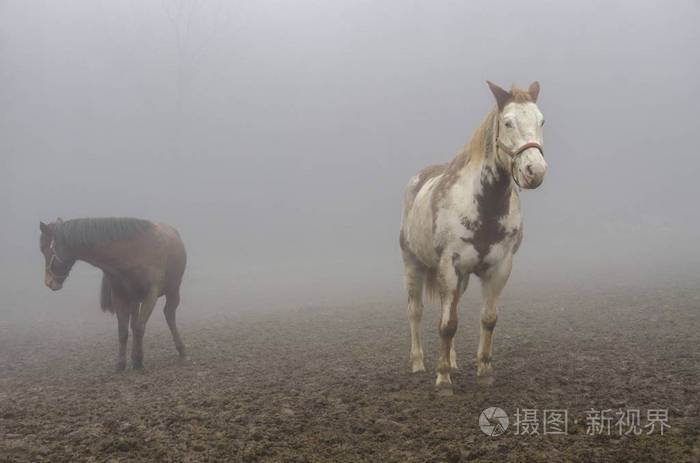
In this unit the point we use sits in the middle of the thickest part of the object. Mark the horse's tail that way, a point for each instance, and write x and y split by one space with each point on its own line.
106 295
430 285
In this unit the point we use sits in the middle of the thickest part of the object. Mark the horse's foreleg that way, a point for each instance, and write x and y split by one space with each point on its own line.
451 284
492 284
138 328
123 312
413 277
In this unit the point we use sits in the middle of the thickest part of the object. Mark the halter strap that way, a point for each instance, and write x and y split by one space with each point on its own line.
516 153
54 256
513 154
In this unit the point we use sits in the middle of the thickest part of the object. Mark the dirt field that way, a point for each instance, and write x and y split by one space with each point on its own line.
333 383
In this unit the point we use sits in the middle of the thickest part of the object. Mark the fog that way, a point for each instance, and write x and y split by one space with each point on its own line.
277 137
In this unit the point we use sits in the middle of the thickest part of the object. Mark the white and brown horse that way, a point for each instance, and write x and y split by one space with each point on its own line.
140 260
464 217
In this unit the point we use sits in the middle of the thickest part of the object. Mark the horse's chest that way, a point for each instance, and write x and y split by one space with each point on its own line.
488 231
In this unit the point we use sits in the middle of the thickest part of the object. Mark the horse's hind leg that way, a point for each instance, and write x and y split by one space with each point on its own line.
171 302
414 276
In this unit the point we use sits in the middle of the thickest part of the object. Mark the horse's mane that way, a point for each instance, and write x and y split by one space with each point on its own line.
93 231
519 95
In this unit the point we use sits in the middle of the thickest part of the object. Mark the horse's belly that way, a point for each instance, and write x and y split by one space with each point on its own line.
480 250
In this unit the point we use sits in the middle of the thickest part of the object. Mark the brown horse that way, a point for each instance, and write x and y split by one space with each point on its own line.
140 260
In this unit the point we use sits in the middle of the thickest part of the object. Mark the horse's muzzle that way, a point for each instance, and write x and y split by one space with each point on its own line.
52 284
533 175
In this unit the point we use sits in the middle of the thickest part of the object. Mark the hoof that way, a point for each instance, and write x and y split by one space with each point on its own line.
454 368
120 368
137 366
417 368
443 385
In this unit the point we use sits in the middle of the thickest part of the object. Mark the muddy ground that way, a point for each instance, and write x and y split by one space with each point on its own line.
333 383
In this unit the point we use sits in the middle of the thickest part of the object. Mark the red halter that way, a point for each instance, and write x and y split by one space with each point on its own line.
513 154
516 153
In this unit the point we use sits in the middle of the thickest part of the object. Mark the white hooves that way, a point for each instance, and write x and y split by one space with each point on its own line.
417 368
443 385
444 389
417 362
484 374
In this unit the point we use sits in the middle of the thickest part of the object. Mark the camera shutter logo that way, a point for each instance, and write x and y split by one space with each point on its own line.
493 421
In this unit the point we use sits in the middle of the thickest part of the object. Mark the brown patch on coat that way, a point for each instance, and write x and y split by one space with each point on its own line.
450 328
493 203
470 224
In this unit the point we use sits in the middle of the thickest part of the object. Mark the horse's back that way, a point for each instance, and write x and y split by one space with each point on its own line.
418 181
416 237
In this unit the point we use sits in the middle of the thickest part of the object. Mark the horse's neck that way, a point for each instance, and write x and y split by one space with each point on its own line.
479 156
92 255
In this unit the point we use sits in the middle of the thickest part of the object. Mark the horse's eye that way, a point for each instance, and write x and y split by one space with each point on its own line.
542 123
509 124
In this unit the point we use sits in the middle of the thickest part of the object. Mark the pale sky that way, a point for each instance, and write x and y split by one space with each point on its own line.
278 136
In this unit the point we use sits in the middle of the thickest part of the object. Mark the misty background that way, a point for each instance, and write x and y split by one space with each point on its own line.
277 137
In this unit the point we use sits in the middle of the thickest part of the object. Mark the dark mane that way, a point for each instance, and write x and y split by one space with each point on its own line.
89 232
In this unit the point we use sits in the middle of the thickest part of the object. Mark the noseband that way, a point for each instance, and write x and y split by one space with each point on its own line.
514 154
54 257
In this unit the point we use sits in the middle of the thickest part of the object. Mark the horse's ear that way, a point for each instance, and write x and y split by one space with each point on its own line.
59 220
502 96
534 91
44 228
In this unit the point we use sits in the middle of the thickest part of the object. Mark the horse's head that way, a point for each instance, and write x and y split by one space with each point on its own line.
519 134
58 261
